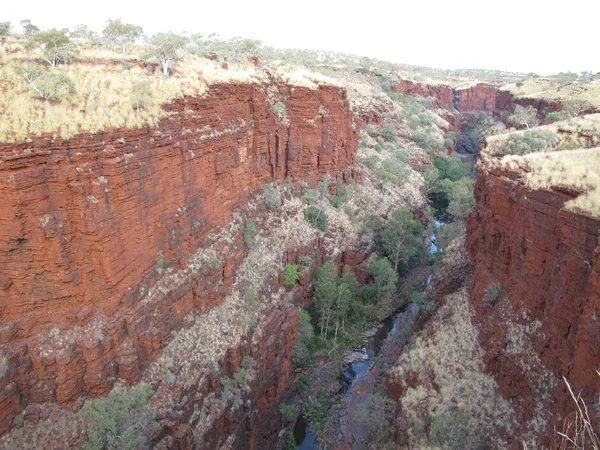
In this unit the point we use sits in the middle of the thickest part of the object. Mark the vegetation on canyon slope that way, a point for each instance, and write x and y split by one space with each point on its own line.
87 83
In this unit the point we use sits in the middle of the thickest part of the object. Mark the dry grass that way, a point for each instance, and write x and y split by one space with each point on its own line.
105 82
580 433
449 363
543 88
576 168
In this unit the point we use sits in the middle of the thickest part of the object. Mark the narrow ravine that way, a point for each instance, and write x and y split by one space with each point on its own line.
365 370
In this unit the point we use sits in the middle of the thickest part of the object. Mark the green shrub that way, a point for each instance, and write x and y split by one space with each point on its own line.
528 142
250 234
310 196
291 274
451 168
316 217
279 108
240 376
421 299
302 383
384 275
553 116
121 420
449 431
493 292
213 263
336 201
372 161
379 144
427 142
288 412
3 367
250 322
271 197
247 362
519 84
372 412
160 261
251 296
448 233
302 349
389 132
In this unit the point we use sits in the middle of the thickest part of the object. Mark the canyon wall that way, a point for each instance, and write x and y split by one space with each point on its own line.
544 325
90 225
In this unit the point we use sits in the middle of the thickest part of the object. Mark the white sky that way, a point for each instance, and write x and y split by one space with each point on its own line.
543 36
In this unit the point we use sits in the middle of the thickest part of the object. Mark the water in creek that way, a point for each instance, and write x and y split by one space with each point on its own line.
305 439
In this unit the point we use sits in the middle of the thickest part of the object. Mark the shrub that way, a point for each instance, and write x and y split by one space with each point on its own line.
448 233
493 292
449 431
372 412
427 142
271 197
316 217
279 108
3 367
519 84
302 349
394 169
421 299
554 116
288 412
251 296
160 261
250 322
240 376
389 132
336 201
372 161
121 420
247 362
250 234
528 142
310 196
291 274
213 263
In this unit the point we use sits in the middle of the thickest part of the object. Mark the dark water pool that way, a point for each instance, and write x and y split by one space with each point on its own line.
305 439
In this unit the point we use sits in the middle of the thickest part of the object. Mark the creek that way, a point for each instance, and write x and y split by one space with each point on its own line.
399 323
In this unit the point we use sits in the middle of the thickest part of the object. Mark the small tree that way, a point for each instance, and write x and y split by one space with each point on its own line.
524 116
291 274
121 420
401 240
54 45
121 34
28 28
167 48
4 28
140 96
574 107
83 32
461 198
48 85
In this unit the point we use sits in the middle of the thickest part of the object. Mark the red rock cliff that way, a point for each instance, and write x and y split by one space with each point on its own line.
86 222
545 323
478 98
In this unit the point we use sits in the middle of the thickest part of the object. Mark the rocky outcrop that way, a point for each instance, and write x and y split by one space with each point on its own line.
476 99
442 93
544 324
90 226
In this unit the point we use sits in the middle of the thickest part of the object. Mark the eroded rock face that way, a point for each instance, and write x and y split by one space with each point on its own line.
442 93
476 99
88 225
544 325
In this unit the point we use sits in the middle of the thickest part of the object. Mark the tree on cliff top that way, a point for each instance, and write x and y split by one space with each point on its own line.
29 29
54 45
4 28
121 34
524 116
167 47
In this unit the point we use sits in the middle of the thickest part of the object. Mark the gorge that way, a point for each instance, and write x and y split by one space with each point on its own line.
125 259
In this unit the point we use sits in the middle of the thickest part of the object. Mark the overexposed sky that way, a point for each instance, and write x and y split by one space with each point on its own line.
516 35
